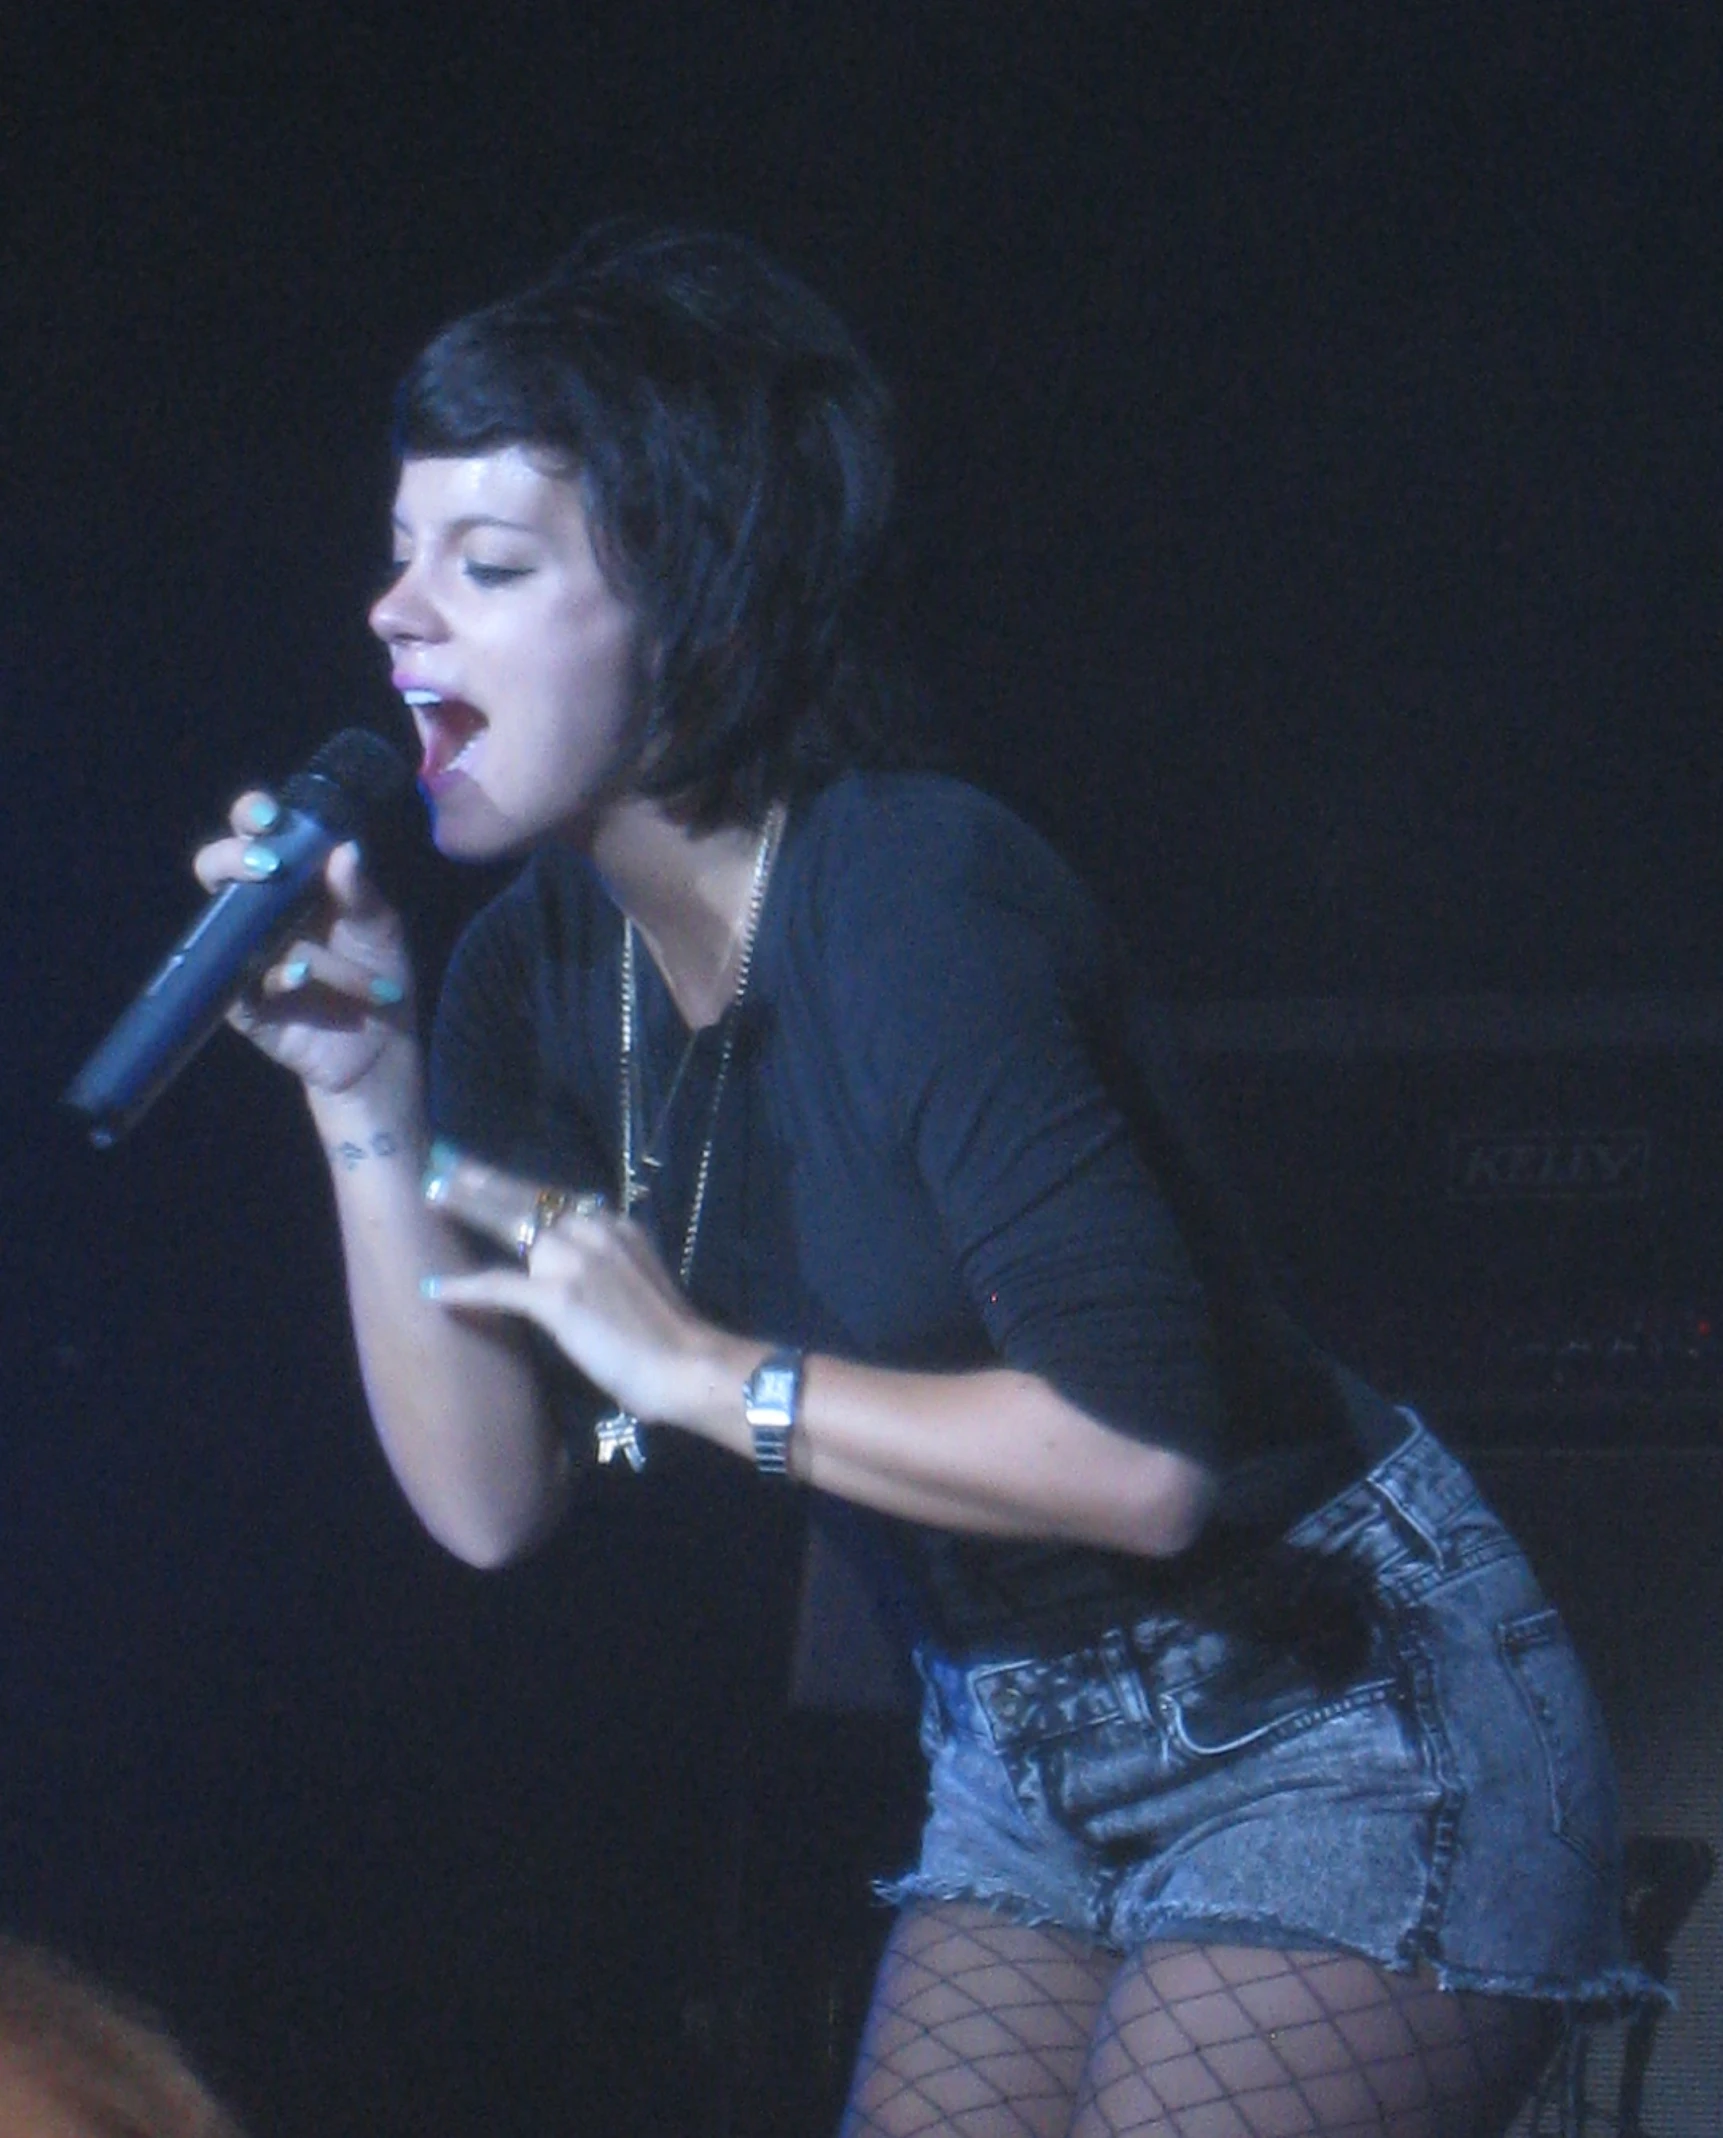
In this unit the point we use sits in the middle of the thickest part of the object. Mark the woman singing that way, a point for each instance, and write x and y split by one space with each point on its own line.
818 1115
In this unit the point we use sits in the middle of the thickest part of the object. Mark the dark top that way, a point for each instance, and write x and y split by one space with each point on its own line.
952 1135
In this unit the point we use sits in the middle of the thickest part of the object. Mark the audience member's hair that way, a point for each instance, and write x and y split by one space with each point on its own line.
80 2063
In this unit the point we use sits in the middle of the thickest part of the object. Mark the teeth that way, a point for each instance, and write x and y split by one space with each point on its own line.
422 697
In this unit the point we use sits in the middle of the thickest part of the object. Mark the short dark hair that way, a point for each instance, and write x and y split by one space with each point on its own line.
735 451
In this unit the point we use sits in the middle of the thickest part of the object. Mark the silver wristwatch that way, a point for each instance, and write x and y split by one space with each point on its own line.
771 1397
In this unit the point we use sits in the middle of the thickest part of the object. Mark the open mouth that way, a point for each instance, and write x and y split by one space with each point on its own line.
449 728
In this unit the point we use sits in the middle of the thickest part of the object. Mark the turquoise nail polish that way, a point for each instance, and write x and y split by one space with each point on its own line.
260 861
430 1287
386 993
295 973
264 814
445 1156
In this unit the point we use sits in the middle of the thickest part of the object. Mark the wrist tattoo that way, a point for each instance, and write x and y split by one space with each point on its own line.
348 1154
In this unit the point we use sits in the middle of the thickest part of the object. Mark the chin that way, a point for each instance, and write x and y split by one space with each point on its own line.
466 834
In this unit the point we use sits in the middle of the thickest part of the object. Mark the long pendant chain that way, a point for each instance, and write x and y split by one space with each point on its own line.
619 1431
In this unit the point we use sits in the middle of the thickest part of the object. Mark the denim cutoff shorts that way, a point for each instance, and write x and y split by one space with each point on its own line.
1375 1738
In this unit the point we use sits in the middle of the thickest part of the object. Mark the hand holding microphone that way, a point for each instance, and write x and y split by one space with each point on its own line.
322 1004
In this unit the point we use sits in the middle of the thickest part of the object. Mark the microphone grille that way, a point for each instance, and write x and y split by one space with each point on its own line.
351 778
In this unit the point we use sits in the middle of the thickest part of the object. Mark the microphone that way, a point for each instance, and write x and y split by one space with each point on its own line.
337 795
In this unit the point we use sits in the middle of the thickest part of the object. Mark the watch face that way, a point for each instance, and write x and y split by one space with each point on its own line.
769 1403
771 1393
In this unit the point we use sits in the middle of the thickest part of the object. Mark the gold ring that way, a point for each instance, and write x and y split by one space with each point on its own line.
548 1205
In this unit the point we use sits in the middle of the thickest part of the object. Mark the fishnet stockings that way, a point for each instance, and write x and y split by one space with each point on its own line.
978 2026
989 2029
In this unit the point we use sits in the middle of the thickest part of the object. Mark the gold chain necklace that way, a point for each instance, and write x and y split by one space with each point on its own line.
619 1431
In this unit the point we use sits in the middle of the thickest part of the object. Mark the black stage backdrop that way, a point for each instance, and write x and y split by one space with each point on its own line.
1312 446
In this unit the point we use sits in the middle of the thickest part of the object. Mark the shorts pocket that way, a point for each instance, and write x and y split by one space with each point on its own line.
1206 1728
1210 1744
1568 1730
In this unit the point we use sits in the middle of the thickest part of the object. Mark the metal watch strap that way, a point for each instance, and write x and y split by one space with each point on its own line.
771 1398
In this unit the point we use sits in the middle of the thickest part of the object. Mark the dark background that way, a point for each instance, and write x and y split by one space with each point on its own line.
1312 427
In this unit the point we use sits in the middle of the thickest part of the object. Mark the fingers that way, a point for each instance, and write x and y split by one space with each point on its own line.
492 1291
226 860
353 892
255 813
482 1197
355 966
592 1281
502 1206
308 966
247 854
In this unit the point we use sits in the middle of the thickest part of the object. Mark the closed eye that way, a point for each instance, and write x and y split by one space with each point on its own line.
495 574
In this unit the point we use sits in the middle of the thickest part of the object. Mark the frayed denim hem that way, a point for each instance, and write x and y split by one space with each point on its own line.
1003 1899
1612 1993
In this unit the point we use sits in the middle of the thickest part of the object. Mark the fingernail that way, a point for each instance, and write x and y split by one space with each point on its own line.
445 1156
263 814
260 861
386 993
435 1183
430 1287
295 973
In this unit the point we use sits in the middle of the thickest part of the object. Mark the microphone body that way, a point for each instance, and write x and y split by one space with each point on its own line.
237 934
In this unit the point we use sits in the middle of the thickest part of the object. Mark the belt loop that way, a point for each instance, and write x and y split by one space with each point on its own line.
1123 1675
1409 1521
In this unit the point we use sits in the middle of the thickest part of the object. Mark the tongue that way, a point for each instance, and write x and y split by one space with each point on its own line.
449 728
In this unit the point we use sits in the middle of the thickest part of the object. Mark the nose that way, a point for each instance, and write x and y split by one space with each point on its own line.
404 613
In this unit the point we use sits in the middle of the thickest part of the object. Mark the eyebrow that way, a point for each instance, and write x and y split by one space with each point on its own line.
470 520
